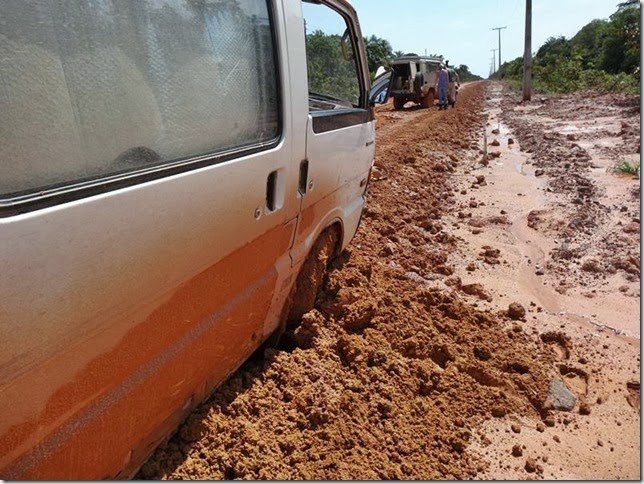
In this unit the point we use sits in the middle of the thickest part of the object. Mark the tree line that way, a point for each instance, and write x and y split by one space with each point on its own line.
604 56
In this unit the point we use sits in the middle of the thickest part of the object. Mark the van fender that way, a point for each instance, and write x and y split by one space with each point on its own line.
306 280
311 275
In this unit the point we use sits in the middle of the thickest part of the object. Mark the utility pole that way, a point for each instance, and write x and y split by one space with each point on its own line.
527 53
499 29
494 59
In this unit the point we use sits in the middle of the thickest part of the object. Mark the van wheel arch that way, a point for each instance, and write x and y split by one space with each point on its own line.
309 280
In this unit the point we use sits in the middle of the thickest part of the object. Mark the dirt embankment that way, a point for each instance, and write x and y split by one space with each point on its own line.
408 368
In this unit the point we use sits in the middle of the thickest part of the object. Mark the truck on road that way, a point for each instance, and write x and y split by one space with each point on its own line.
412 79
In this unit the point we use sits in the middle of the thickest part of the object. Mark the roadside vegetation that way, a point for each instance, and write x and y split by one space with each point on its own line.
627 168
603 56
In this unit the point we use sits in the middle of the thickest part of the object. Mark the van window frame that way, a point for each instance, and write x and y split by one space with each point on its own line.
56 194
334 119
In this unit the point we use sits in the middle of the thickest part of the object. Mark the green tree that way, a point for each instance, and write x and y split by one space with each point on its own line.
621 46
465 74
588 43
514 68
554 50
329 73
379 52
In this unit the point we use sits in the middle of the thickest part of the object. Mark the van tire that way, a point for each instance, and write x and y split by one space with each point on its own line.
302 296
398 103
428 101
310 278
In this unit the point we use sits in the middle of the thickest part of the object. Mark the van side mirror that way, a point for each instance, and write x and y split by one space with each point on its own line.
379 91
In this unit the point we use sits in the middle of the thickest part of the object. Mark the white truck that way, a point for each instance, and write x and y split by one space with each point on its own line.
412 79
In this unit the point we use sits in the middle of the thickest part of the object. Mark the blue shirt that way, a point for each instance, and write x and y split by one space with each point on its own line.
443 78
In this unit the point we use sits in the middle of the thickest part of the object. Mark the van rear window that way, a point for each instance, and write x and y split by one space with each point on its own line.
95 88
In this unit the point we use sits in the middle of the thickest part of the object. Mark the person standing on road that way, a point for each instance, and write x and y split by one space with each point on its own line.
442 85
454 84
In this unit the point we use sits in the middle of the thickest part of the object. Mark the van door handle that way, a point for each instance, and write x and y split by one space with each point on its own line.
304 176
271 189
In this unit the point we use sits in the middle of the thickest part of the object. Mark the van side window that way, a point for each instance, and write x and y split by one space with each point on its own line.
331 62
92 89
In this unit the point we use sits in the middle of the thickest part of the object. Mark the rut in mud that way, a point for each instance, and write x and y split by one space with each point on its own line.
394 374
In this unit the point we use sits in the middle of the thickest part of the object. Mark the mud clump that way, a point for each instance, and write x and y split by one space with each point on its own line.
516 311
559 339
585 408
477 290
359 315
531 465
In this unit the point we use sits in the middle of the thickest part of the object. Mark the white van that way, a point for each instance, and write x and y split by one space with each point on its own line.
166 169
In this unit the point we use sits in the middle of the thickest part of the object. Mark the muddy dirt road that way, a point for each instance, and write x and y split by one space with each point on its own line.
483 324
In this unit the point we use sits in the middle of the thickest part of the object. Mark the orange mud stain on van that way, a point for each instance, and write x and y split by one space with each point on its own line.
145 385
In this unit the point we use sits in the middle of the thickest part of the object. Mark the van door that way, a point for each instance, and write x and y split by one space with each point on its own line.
339 129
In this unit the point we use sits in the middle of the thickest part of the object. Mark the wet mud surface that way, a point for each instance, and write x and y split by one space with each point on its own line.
424 358
593 215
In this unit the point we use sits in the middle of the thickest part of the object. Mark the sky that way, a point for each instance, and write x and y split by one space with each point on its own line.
462 30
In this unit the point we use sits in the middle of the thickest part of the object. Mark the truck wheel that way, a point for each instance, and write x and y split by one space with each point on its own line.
310 278
398 103
428 101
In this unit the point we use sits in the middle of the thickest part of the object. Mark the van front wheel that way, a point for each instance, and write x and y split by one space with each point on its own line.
398 103
311 276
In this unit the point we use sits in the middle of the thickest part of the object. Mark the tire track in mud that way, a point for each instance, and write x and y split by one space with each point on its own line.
392 373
